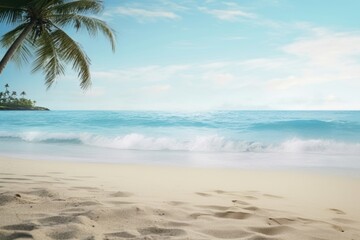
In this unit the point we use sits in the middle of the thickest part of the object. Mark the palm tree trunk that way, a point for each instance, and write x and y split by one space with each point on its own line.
15 46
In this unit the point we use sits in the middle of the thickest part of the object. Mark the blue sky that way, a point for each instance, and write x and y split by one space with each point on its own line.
213 55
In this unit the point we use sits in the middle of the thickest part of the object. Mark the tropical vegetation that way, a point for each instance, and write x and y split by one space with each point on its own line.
9 101
39 33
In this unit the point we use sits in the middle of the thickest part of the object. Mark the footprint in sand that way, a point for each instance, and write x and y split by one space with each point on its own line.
119 202
168 232
311 221
7 198
196 215
16 235
43 193
281 221
252 208
226 214
271 231
272 196
251 197
177 224
176 203
21 227
213 207
203 194
117 235
74 210
68 233
337 211
220 192
86 203
240 202
56 220
338 228
121 194
227 234
233 215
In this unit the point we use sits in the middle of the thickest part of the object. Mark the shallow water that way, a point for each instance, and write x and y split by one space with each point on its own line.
220 138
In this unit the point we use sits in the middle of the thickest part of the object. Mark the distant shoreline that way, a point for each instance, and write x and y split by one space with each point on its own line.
4 108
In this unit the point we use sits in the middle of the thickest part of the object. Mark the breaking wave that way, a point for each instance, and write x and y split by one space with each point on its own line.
208 143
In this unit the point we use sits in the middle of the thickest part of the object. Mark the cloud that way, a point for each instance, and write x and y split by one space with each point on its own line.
150 73
323 57
228 14
140 13
318 71
327 48
170 4
319 58
284 83
265 63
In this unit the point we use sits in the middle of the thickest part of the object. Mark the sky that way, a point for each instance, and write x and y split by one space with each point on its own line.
187 55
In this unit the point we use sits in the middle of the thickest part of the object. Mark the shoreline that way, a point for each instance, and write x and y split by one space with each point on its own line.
77 200
138 158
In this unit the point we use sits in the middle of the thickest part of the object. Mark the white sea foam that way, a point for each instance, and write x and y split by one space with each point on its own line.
206 143
318 145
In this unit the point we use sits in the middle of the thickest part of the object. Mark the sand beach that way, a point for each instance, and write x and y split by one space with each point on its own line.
69 200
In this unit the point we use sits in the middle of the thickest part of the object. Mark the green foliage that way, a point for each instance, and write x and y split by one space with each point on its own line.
9 100
51 47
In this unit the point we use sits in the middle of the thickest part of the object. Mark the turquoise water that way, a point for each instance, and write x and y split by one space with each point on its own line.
221 138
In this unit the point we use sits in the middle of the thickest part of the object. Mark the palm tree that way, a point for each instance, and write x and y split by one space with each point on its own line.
7 95
22 94
13 96
7 92
39 32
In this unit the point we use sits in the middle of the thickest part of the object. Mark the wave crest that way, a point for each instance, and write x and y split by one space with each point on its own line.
209 143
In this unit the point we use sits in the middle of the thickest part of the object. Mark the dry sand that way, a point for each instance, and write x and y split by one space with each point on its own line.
62 200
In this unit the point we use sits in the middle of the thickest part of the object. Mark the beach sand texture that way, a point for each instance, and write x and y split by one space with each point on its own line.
63 200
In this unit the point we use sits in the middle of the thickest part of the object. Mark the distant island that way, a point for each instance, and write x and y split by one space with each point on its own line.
10 101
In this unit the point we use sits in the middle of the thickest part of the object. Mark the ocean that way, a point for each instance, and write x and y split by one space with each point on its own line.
323 139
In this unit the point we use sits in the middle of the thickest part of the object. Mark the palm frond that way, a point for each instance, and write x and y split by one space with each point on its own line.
10 14
92 25
23 52
48 59
40 33
9 38
44 5
70 51
79 6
